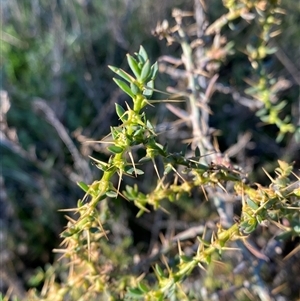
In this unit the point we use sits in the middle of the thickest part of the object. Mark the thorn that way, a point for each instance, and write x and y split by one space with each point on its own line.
222 187
292 253
166 264
119 182
155 167
132 161
268 175
204 192
178 112
70 219
179 248
202 267
179 175
89 244
101 141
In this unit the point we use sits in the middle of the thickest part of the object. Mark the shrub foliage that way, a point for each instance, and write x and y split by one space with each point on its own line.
228 217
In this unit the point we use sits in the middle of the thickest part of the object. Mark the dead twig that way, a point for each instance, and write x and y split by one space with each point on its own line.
80 164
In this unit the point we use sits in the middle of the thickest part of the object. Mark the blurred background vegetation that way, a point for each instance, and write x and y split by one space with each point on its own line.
57 93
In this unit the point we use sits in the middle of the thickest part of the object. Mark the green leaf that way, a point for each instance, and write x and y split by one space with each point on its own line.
280 105
249 229
123 86
261 112
83 186
139 171
296 228
144 160
279 137
143 287
248 226
100 166
159 271
251 90
271 50
145 71
102 197
80 203
120 111
131 171
148 90
138 132
129 190
265 118
94 230
66 234
252 204
141 211
38 277
143 53
122 73
111 194
150 126
154 70
115 132
140 60
134 88
115 149
135 293
186 258
133 64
